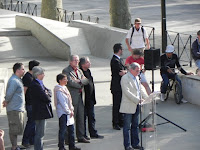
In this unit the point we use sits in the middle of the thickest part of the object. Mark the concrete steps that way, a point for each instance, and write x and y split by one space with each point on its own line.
21 46
15 32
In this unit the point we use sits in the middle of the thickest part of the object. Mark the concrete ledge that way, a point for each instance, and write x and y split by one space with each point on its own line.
191 88
100 38
55 46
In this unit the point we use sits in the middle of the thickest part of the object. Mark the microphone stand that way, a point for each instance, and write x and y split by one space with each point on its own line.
140 106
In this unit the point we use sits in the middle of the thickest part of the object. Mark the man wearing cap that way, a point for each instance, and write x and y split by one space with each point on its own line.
137 37
168 62
196 50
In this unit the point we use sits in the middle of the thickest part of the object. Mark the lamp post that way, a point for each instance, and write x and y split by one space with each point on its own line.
164 33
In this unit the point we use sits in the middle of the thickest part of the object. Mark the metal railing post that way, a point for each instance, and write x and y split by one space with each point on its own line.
190 51
178 44
153 37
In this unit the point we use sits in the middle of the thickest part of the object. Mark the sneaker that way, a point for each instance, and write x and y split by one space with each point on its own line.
86 137
184 101
129 148
162 97
17 148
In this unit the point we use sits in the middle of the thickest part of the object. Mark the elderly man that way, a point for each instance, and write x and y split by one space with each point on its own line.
90 99
137 37
14 103
76 81
132 95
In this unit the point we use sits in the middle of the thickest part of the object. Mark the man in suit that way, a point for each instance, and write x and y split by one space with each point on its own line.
90 99
117 71
76 81
132 95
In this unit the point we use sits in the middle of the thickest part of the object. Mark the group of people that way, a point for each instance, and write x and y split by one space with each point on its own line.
76 79
29 90
127 78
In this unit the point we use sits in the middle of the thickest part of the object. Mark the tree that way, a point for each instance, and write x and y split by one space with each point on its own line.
49 10
119 14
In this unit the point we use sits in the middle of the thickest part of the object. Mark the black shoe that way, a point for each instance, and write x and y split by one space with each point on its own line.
138 147
62 149
66 142
75 148
97 136
83 140
116 127
86 137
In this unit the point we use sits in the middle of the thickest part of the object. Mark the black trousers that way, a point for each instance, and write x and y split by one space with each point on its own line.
89 114
117 117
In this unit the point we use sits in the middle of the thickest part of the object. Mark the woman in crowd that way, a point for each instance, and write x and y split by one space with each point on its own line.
41 105
65 112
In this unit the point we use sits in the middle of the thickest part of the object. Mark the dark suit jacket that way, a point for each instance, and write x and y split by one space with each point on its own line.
41 102
116 65
89 89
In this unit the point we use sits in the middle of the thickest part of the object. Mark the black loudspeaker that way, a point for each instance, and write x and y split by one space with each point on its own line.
151 59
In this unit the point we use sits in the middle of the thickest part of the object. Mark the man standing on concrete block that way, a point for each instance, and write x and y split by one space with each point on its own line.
29 131
137 37
14 103
76 81
90 99
117 71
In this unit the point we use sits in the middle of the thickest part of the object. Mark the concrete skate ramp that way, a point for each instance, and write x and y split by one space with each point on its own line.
60 40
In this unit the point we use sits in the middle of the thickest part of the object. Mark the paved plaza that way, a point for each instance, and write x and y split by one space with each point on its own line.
182 15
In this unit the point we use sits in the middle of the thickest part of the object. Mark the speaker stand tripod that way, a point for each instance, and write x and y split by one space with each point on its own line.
153 113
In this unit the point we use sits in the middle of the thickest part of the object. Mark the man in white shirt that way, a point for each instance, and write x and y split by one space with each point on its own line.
137 37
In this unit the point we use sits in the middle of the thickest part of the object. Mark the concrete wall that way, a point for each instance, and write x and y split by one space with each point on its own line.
191 88
100 38
55 46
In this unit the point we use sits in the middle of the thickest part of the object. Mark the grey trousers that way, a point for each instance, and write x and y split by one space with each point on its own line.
79 118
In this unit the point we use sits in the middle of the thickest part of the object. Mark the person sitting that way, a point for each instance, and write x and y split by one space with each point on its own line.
196 50
137 57
167 71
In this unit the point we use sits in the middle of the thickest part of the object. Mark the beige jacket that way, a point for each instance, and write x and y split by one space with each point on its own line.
129 94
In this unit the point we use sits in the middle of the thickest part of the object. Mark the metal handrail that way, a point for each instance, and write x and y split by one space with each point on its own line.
151 34
178 38
21 6
65 16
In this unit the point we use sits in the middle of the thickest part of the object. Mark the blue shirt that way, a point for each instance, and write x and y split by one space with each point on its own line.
15 94
41 83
